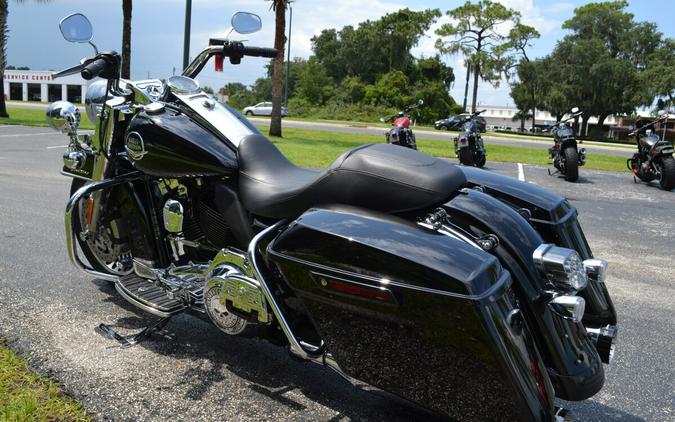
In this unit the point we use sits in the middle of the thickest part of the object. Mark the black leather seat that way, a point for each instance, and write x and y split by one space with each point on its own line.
381 177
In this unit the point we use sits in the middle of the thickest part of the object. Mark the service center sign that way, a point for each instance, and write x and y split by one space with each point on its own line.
27 76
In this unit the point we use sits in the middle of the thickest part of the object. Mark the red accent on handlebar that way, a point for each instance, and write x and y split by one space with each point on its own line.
219 57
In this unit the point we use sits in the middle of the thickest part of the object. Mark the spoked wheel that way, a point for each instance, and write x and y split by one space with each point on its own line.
106 248
571 164
667 179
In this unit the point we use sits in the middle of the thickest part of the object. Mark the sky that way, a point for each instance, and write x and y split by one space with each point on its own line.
157 32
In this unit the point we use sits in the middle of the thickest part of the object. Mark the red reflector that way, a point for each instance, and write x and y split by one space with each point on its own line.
219 62
90 209
541 388
581 141
373 293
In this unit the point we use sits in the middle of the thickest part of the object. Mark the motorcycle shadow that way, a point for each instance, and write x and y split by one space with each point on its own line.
217 360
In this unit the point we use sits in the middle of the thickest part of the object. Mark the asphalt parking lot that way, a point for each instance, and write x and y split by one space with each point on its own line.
48 311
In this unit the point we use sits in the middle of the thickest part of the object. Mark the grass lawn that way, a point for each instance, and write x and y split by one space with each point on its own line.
314 148
317 148
36 117
25 396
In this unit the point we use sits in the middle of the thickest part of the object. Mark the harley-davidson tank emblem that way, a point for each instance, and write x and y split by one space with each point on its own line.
135 146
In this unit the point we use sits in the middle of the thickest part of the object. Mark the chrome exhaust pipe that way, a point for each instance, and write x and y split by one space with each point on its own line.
603 338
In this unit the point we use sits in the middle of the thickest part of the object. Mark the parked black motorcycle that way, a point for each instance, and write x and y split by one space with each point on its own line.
464 291
402 134
469 146
567 157
654 157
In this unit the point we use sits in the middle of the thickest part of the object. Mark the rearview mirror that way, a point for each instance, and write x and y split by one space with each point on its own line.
76 28
575 110
382 119
246 23
420 102
662 112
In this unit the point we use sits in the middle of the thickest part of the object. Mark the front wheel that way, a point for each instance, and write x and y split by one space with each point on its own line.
466 156
480 162
106 248
249 113
571 164
444 128
667 179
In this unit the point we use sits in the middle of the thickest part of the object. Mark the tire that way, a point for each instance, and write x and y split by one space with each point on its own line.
667 180
480 163
571 164
466 157
249 113
96 263
443 128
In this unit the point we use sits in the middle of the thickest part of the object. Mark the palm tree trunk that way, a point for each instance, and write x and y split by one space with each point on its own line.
4 10
476 75
466 86
278 66
126 39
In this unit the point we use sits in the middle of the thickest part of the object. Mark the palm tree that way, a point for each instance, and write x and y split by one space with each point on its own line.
279 7
4 30
126 39
3 55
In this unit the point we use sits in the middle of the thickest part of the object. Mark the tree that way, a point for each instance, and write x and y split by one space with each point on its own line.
4 31
375 47
659 75
279 7
314 84
3 54
605 59
475 34
126 39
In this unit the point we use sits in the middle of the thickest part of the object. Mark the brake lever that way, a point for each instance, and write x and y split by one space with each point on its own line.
68 71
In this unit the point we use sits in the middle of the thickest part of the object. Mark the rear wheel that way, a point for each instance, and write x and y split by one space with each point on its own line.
571 164
480 162
466 157
249 113
667 179
444 128
107 248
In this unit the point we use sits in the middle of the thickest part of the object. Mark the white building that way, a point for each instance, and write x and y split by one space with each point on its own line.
38 85
503 116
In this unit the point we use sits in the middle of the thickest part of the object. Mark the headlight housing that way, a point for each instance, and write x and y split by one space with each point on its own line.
562 267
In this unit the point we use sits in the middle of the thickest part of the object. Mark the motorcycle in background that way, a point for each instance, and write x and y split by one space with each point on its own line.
654 157
469 146
401 133
464 291
567 157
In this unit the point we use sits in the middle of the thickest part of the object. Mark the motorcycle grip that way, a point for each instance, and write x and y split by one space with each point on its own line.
93 68
260 52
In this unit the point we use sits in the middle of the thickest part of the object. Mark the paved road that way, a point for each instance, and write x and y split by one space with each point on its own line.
420 133
49 311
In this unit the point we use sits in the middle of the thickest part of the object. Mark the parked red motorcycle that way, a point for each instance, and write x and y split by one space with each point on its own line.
401 134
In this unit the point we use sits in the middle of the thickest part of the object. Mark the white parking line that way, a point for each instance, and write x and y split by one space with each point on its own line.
521 172
57 146
21 135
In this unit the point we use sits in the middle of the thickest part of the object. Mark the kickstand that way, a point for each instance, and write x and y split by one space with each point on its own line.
551 174
635 180
128 341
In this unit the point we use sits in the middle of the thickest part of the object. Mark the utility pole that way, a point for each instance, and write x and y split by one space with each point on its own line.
186 39
288 55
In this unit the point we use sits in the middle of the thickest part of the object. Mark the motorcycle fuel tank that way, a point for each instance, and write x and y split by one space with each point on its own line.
168 143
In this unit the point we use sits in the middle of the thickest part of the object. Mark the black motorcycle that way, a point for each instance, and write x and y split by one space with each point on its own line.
469 146
567 157
464 291
402 134
654 157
